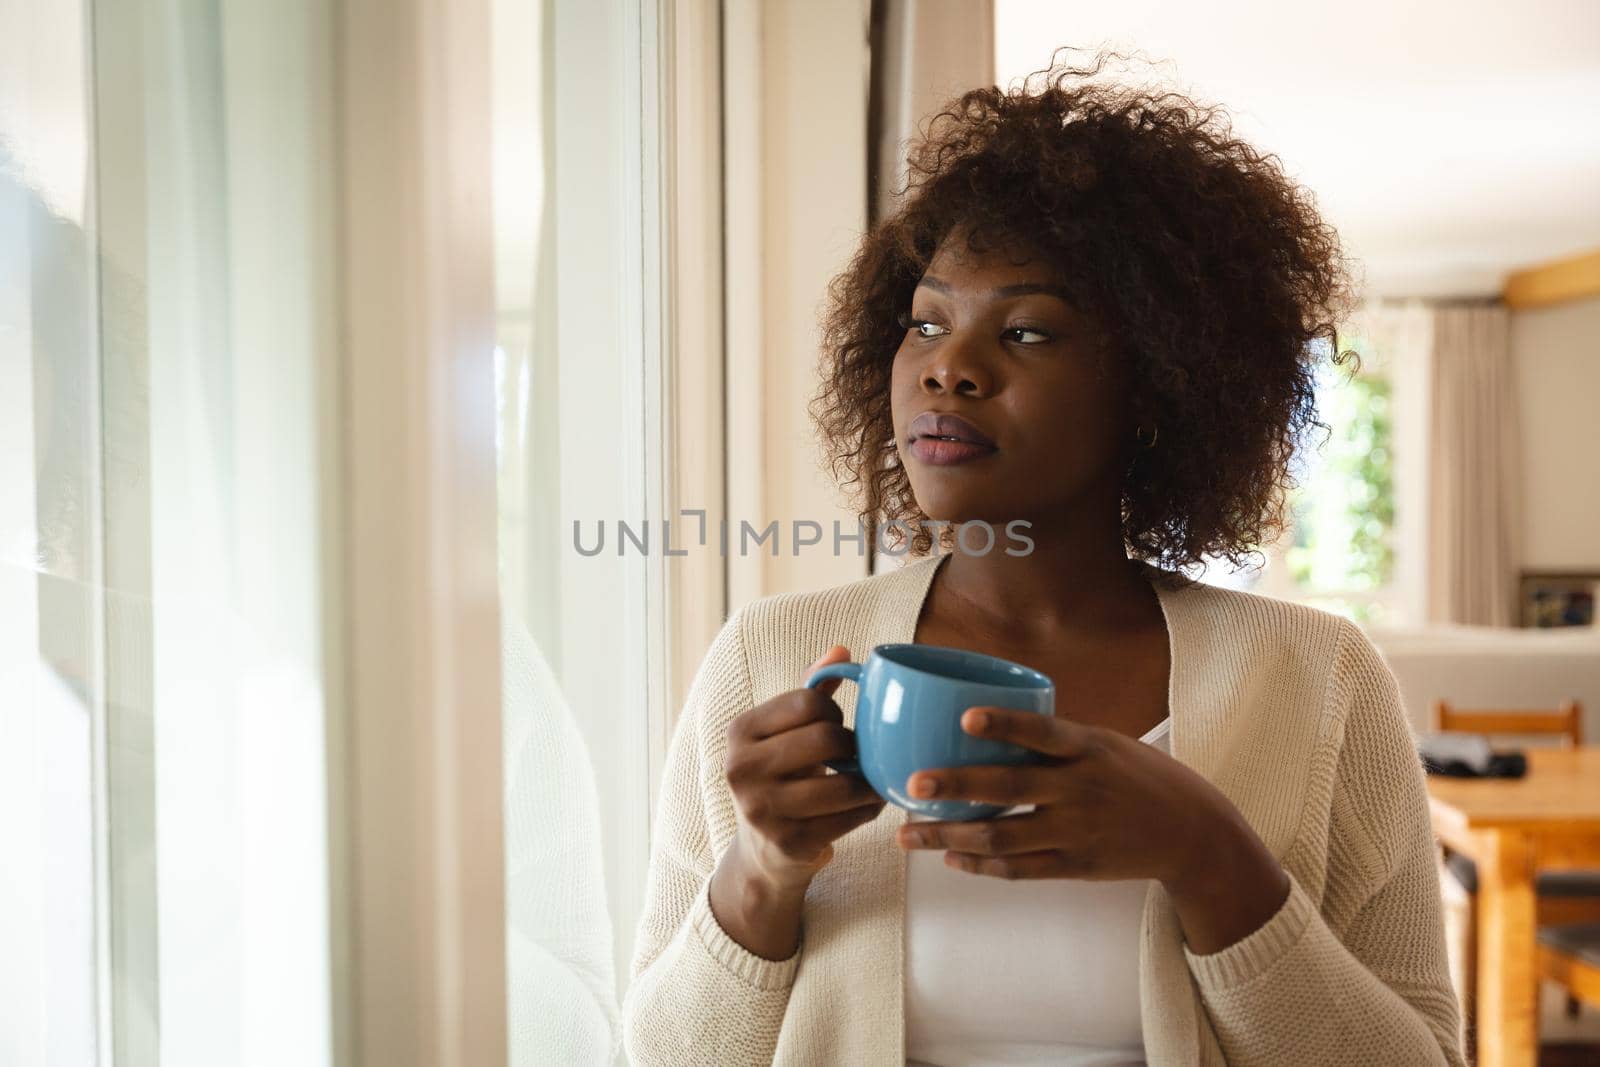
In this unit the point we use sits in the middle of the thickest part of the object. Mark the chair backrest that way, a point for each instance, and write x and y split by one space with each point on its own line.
1566 721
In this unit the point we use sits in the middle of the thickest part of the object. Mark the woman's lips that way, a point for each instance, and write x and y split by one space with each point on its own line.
943 439
941 452
947 424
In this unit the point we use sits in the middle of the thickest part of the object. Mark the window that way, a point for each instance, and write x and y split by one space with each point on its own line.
1355 518
578 390
1341 553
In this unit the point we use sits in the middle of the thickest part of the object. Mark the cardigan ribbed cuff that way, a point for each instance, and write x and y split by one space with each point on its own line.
756 971
1255 954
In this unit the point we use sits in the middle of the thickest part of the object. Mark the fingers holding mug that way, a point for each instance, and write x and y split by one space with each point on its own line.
836 654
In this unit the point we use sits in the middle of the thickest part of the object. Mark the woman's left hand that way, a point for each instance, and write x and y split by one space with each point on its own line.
1107 807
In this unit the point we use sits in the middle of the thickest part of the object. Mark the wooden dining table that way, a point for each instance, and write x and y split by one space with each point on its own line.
1515 828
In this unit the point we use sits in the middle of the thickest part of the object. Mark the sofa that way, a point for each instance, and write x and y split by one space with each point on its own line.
1487 667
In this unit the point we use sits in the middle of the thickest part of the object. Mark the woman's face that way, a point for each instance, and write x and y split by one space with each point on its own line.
1044 429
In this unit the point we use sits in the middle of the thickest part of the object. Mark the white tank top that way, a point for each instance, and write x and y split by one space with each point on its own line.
1033 971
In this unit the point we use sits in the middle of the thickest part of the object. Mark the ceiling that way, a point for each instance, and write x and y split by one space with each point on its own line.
1450 143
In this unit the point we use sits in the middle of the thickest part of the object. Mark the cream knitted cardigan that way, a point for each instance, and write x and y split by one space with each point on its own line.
1290 711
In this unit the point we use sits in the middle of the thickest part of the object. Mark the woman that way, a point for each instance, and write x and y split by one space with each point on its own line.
1097 312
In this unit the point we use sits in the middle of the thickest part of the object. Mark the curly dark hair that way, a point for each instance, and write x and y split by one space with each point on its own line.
1209 272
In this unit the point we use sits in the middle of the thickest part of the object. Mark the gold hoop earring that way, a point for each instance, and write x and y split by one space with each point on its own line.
1138 434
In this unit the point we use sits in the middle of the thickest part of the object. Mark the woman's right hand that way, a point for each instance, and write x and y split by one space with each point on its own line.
790 807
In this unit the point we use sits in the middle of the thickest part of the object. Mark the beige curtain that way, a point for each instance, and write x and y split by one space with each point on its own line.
924 52
1474 491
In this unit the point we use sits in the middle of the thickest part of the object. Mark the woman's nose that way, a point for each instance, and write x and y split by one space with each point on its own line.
956 369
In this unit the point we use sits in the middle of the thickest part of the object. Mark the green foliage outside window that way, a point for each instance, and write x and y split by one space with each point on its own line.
1343 507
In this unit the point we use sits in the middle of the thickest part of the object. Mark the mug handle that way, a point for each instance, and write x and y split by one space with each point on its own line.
850 672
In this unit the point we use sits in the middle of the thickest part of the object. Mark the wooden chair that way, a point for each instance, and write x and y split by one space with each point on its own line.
1565 722
1566 898
1570 955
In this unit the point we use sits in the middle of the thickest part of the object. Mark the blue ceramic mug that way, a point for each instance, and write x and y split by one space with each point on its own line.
908 718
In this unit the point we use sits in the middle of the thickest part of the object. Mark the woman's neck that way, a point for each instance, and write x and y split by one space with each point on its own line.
1058 588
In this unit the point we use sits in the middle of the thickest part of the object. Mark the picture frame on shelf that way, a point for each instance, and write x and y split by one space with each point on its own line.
1551 599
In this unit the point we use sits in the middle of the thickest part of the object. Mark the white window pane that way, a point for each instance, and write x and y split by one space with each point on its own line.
572 372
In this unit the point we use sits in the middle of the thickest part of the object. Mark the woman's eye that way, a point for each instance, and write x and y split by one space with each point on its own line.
923 327
1026 335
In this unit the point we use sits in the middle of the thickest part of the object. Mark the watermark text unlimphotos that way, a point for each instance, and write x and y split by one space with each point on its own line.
894 538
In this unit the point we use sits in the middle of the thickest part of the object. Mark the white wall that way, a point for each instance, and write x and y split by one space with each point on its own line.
1526 168
1556 351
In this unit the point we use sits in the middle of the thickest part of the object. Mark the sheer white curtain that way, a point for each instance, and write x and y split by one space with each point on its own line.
51 641
243 349
165 354
221 354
